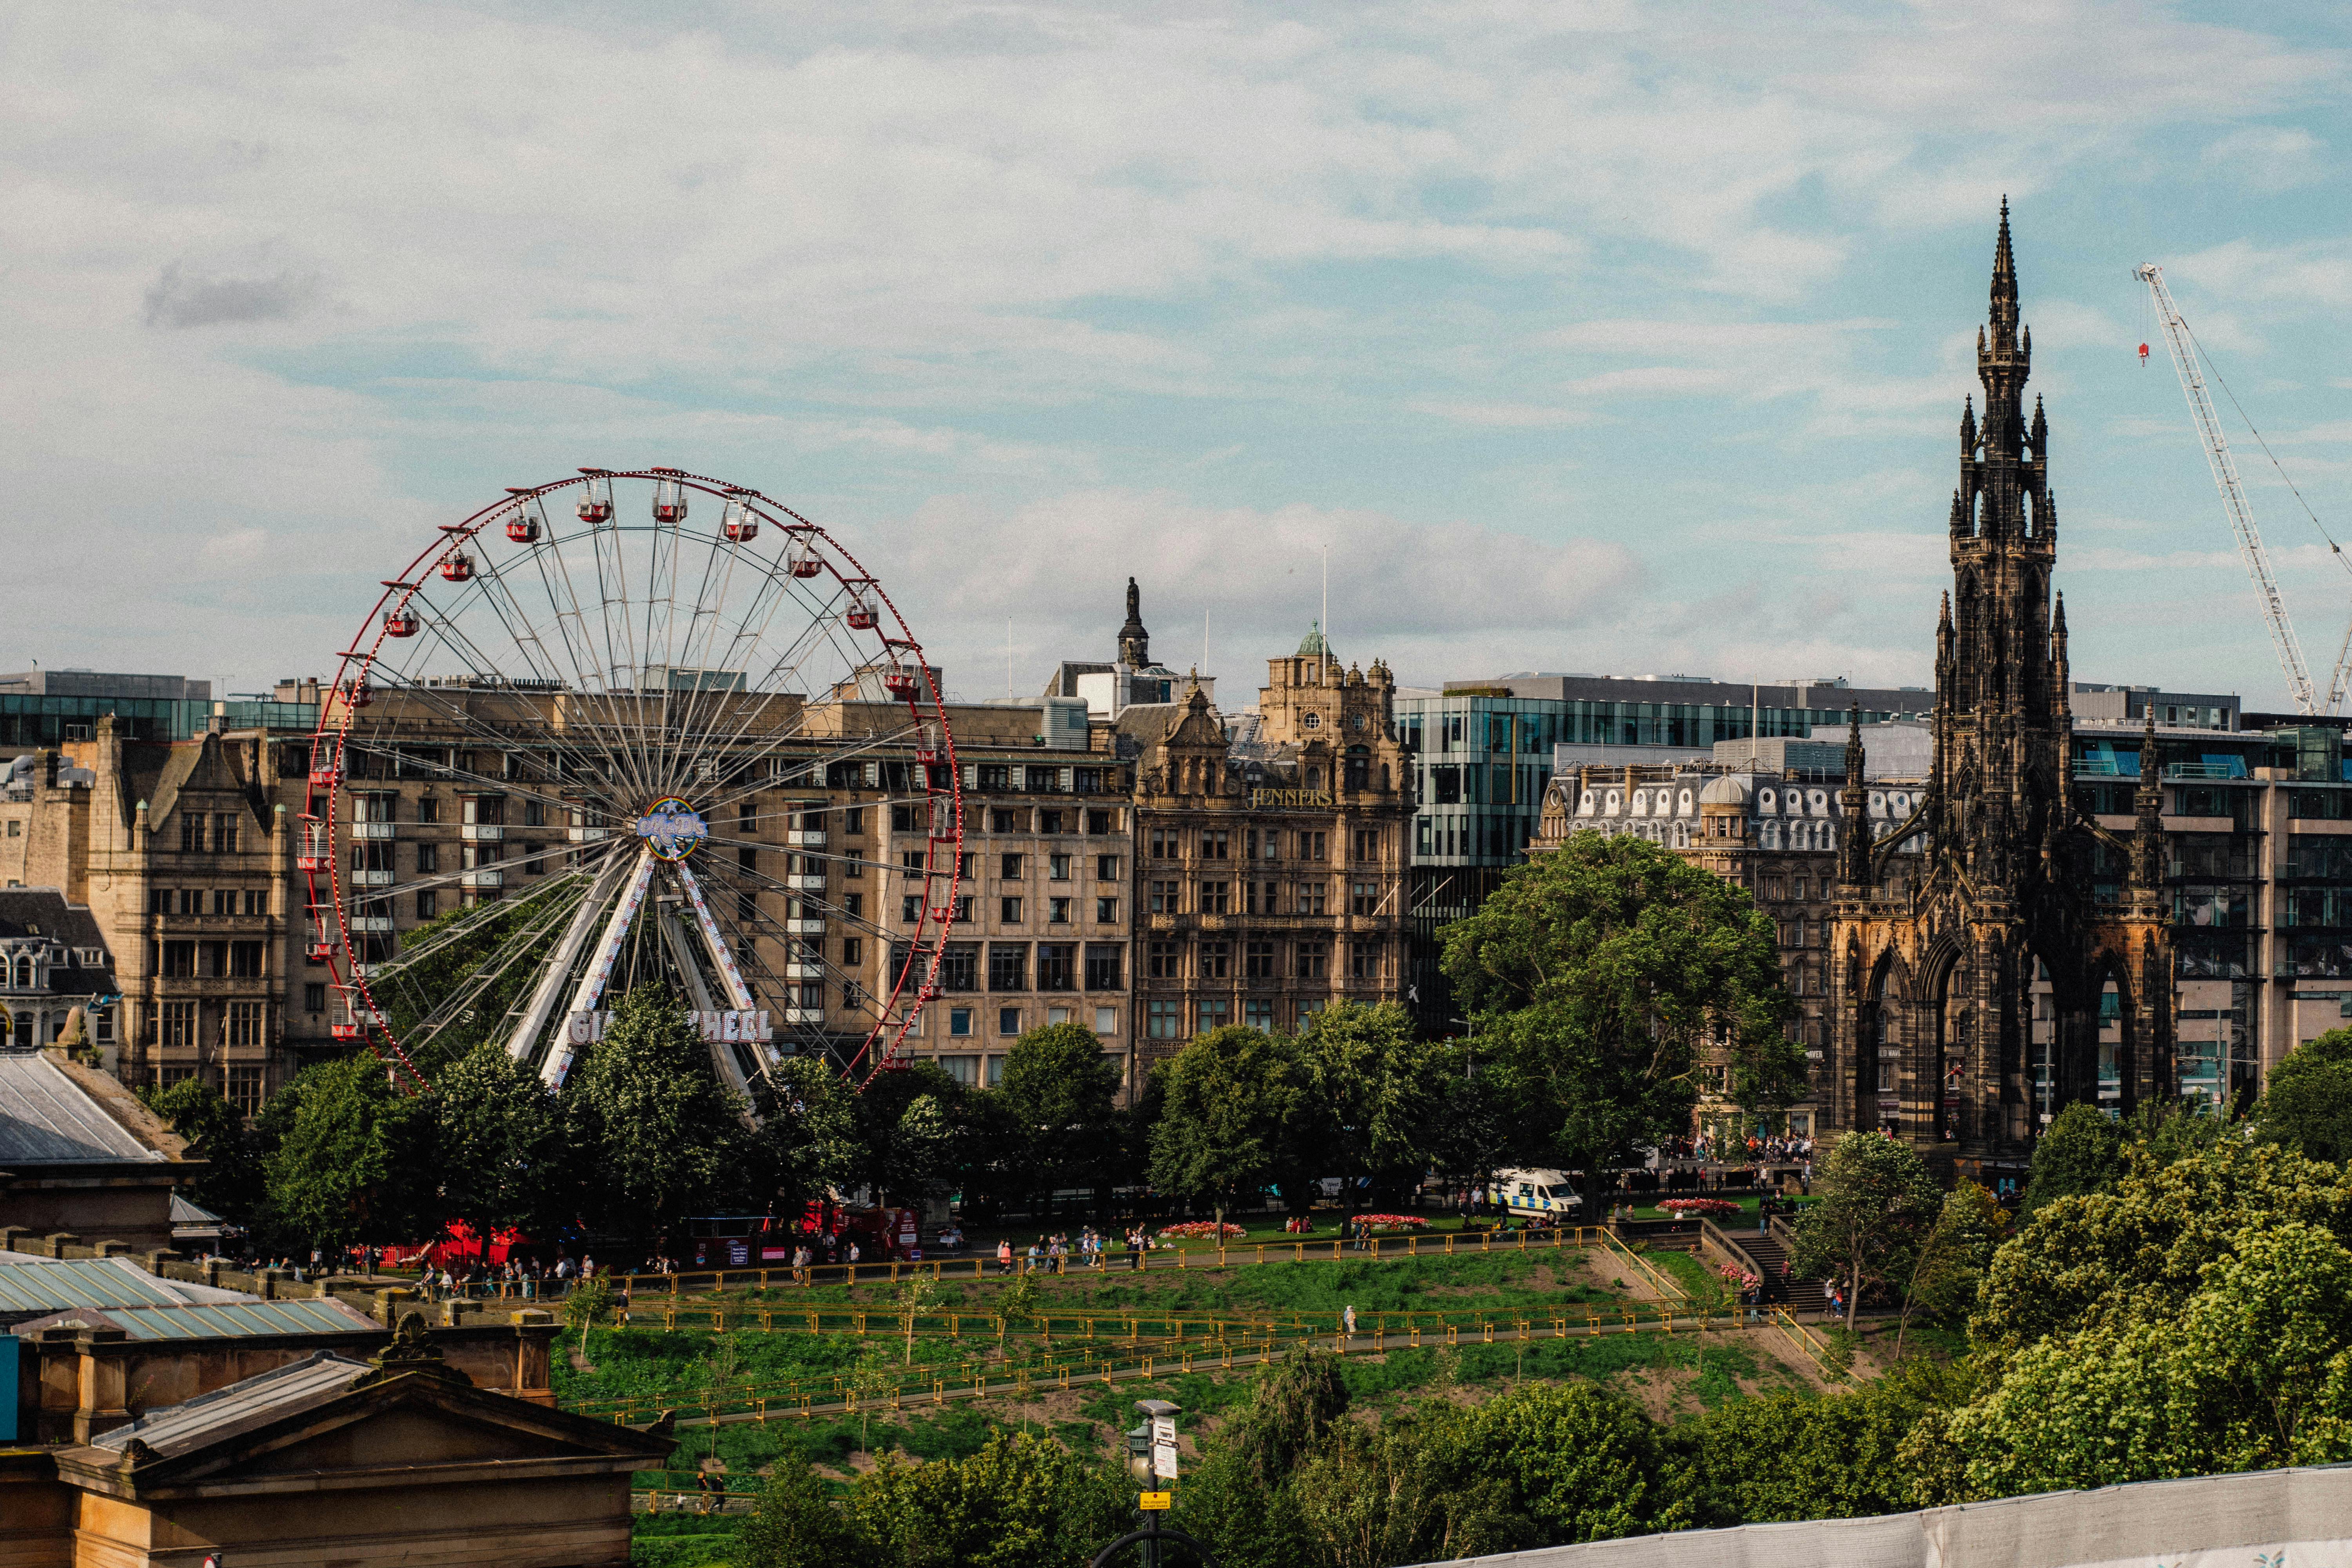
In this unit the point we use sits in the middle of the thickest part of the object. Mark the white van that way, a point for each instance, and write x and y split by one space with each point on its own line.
1535 1191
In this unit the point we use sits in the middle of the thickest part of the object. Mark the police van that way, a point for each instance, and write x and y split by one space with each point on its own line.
1530 1193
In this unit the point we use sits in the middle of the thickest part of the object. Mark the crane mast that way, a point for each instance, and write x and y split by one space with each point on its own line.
2233 498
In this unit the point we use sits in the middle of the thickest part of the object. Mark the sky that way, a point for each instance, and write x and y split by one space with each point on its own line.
1594 337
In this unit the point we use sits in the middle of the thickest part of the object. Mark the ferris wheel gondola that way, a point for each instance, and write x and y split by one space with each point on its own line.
618 733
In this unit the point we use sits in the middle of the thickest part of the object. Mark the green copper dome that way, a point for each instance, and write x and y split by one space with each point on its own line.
1312 645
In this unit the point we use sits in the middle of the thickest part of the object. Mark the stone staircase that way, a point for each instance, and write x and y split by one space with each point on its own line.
1801 1297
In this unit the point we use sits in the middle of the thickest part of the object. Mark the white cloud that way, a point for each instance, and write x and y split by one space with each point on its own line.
2269 158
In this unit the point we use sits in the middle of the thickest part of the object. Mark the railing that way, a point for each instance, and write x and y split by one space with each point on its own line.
1136 1354
983 1266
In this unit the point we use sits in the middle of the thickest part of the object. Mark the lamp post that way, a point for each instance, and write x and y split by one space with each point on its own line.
1151 1459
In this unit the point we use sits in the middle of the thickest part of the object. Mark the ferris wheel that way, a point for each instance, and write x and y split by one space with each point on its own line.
584 741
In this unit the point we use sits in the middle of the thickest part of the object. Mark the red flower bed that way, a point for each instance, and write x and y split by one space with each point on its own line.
1203 1229
1687 1208
1385 1220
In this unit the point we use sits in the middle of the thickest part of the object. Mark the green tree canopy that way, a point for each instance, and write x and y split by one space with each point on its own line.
1022 1501
501 1143
1232 1103
1878 1203
910 1131
2081 1151
657 1135
2308 1105
236 1186
358 1161
1598 976
807 1141
1784 1456
1580 1463
1063 1091
1376 1091
1950 1270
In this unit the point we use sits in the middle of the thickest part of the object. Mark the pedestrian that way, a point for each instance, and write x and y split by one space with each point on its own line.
1005 1257
1347 1316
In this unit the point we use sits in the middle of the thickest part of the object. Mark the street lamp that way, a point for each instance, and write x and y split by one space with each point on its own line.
1151 1458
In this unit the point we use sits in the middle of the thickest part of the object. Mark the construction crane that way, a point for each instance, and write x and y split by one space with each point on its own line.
2185 353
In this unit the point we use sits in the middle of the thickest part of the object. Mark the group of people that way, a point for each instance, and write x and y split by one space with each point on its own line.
524 1280
1091 1248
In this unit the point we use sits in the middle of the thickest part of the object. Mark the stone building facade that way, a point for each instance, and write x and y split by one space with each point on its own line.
1270 852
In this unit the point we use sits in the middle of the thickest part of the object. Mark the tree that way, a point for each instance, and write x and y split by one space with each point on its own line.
1600 975
1376 1089
1580 1463
1952 1264
807 1142
1785 1456
2080 1152
1064 1093
657 1135
235 1186
500 1143
2309 1102
589 1304
1231 1102
907 1131
1474 1128
1878 1203
1368 1498
1022 1501
358 1161
797 1525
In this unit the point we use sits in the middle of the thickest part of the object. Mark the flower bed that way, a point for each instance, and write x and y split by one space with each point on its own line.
1393 1221
1204 1230
1739 1277
1692 1208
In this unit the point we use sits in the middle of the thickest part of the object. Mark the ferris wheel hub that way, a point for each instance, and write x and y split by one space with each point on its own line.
672 828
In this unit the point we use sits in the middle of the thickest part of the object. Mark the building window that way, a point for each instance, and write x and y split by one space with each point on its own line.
965 1070
1057 868
192 833
1008 967
1051 821
1164 842
1216 1012
1166 899
1364 897
1257 1012
1008 911
1003 821
1313 960
1364 958
1105 960
1216 961
165 1076
1008 1020
854 905
1163 1020
1257 961
428 809
960 1022
1009 867
1311 845
1106 911
1886 1077
852 951
179 1024
1215 843
1057 911
996 1072
1164 961
244 1023
1308 1012
244 960
314 997
179 961
1099 822
911 908
1106 867
960 968
1367 843
1106 1020
1056 963
1216 897
102 1023
853 822
257 900
224 835
1312 896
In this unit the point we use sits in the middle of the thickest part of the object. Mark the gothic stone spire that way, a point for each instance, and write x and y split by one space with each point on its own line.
1134 642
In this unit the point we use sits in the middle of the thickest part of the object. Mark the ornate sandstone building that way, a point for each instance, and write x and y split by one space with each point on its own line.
1941 981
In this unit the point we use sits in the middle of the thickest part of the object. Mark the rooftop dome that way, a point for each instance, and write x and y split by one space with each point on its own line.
1724 791
1312 645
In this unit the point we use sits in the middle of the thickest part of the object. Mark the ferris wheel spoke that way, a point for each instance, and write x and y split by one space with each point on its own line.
751 785
592 678
766 689
403 751
455 710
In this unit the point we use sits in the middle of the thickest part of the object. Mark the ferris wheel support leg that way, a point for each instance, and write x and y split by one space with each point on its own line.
739 994
522 1043
600 969
722 1058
